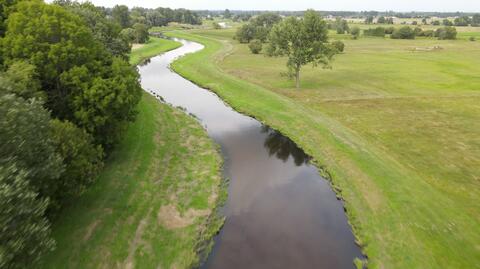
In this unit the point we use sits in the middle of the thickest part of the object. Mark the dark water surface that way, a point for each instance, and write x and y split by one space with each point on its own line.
280 212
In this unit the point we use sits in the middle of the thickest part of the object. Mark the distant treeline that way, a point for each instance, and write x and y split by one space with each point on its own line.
358 14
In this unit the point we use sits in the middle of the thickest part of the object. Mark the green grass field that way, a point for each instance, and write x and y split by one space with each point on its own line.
154 205
395 124
152 48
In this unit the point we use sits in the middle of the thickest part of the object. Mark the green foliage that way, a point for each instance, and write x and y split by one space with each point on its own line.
339 46
355 32
418 31
216 25
404 32
436 23
476 20
427 33
378 31
120 15
21 80
462 21
246 33
472 38
84 84
381 20
447 22
341 26
82 160
25 232
104 105
255 46
259 28
369 20
447 32
104 30
303 41
267 20
25 136
140 33
389 30
227 14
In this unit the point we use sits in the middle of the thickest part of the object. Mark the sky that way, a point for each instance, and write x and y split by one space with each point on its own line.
330 5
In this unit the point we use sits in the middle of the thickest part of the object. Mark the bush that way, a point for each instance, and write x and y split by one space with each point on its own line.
82 160
447 32
216 26
472 38
355 32
389 30
255 46
418 31
404 32
428 33
338 45
436 23
379 31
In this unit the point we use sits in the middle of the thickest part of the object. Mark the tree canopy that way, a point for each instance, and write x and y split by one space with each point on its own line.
83 82
303 41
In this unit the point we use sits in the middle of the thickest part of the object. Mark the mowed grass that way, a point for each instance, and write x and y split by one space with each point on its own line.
152 48
153 206
397 131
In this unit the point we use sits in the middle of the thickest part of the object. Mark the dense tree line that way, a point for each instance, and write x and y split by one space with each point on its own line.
67 93
258 28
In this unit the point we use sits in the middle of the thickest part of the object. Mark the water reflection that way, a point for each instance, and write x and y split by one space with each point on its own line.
282 147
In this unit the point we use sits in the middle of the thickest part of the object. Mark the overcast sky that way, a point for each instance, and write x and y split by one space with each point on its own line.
350 5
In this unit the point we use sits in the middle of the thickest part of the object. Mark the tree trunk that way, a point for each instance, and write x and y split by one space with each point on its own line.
297 77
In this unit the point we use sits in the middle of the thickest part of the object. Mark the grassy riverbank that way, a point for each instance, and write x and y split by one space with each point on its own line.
396 130
152 48
152 205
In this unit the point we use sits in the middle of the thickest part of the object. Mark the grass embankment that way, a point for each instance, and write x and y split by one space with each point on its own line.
152 48
152 205
397 131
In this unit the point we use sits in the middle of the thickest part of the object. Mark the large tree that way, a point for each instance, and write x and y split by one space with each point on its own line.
303 41
83 82
121 15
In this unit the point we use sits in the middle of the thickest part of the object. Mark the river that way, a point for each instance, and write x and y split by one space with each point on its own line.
280 212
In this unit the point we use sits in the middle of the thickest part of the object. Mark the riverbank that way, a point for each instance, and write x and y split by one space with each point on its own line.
403 216
154 204
153 47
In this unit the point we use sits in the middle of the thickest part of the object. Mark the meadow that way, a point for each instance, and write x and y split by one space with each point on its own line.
154 205
394 125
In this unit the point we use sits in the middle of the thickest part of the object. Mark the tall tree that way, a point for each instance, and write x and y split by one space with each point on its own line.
121 15
83 82
303 41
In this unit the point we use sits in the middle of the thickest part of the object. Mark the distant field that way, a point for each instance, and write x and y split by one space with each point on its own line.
395 123
154 204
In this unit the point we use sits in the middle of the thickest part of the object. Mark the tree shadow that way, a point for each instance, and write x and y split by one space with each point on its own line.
282 147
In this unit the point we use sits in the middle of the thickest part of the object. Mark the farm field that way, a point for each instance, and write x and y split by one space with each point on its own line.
394 123
154 203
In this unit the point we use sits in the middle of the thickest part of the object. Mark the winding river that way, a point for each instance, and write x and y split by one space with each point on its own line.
280 212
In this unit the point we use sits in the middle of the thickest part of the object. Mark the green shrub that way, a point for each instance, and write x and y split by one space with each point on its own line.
355 32
404 32
472 38
255 46
339 46
447 32
389 30
379 31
